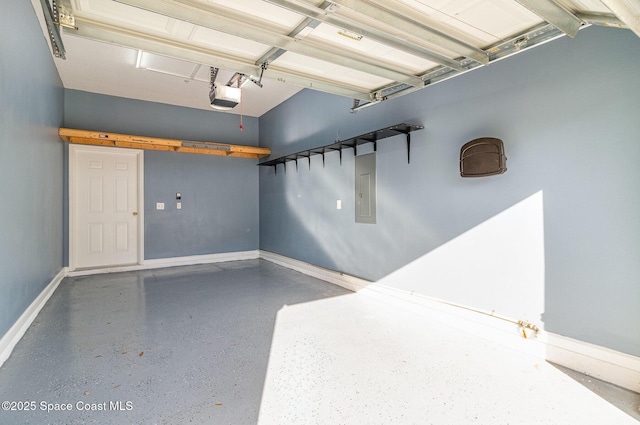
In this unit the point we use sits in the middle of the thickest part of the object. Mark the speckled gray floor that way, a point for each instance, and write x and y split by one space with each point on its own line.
251 342
182 345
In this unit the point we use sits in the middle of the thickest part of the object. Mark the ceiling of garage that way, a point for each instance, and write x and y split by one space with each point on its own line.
162 50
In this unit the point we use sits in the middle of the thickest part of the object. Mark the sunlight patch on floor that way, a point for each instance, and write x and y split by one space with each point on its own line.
353 359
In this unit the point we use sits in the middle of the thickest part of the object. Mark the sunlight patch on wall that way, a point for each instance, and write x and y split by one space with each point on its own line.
496 267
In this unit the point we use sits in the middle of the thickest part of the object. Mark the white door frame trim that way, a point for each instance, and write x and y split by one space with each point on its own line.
73 149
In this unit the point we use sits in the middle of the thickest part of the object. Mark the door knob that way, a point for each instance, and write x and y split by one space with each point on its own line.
135 213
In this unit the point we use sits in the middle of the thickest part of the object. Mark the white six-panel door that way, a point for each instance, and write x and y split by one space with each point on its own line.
104 206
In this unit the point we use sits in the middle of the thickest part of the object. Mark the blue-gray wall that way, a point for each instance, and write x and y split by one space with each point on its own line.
219 194
31 158
567 208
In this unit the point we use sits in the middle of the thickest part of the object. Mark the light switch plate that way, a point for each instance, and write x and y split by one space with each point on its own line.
339 204
179 205
159 205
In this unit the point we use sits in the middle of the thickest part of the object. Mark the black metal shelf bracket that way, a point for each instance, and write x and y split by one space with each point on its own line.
373 137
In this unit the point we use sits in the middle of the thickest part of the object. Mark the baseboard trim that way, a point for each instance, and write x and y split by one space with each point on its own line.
603 363
346 281
172 262
613 366
16 332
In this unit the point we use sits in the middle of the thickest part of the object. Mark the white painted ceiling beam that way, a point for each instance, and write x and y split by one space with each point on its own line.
171 48
408 26
628 11
181 10
313 12
555 14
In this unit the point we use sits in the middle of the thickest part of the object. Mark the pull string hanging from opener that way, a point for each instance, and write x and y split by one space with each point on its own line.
241 127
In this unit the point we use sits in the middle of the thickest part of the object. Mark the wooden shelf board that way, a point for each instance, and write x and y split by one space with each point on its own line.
88 137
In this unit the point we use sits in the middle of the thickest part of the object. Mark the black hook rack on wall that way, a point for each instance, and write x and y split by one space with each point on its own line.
352 143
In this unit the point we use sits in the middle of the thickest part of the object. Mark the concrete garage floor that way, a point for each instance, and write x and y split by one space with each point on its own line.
251 342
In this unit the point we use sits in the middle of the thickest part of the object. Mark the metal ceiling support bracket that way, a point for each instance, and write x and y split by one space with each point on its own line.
240 79
65 14
362 106
263 67
51 20
155 44
628 11
605 20
322 15
213 73
555 14
406 25
181 10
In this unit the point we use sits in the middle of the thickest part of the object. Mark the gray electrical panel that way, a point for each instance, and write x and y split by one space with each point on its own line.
366 188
